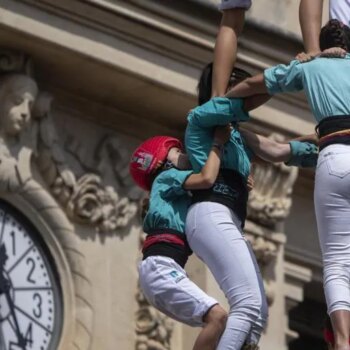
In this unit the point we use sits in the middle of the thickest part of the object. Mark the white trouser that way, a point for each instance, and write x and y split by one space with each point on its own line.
340 9
332 207
214 234
167 287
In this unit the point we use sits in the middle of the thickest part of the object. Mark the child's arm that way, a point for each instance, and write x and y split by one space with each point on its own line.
226 49
310 17
206 178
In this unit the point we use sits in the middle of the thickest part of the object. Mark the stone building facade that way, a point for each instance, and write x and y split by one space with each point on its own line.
82 83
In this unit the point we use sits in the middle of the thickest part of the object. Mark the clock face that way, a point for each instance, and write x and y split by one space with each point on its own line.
30 295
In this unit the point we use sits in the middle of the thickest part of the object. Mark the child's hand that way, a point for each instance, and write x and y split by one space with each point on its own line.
306 57
222 134
333 52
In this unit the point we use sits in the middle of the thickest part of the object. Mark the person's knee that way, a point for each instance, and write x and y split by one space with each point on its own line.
216 316
250 305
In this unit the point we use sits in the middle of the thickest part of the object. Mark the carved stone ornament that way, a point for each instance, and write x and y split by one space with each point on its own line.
270 200
153 328
266 253
85 199
27 133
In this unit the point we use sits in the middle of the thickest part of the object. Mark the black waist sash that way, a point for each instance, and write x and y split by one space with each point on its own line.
177 252
230 189
330 125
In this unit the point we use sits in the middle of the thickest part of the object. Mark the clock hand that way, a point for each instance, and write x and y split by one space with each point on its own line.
3 258
5 288
21 340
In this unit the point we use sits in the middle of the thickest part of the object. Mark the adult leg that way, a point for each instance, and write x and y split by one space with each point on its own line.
310 17
332 206
213 234
215 322
225 51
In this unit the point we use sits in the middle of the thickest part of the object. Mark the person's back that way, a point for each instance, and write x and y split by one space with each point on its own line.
327 85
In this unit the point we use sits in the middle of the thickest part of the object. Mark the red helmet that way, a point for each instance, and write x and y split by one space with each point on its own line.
147 156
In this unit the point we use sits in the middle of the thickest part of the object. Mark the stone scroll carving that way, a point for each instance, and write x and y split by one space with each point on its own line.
27 133
85 199
153 328
270 200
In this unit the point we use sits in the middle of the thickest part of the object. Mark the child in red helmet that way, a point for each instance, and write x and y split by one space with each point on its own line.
158 165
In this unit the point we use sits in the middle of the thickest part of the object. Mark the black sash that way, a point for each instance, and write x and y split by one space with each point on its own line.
330 125
177 252
230 189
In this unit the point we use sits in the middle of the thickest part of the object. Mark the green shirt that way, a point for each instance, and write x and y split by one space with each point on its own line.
326 82
200 131
169 202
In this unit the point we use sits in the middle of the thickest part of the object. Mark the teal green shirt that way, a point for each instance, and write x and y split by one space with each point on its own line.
168 202
200 131
326 82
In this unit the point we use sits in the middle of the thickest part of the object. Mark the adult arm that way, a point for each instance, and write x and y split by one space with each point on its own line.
277 79
296 153
248 87
266 149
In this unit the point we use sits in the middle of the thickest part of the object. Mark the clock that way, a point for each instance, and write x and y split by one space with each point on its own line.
31 306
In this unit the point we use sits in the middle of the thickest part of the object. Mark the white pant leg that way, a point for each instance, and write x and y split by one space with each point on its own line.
214 235
167 287
332 207
340 9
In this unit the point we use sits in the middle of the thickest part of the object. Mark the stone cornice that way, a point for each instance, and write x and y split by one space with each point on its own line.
161 53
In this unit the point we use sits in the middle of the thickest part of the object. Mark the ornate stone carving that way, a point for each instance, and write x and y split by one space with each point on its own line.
270 200
85 199
14 62
17 94
26 128
153 328
266 252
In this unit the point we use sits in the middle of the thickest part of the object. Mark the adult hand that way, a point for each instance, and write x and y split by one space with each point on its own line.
333 52
306 57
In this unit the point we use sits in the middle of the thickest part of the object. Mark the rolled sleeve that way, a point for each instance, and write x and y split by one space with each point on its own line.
218 111
174 182
283 78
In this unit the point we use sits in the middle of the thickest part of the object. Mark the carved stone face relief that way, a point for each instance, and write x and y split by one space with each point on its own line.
17 96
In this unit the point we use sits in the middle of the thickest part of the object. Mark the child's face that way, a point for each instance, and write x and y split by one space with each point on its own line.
179 159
